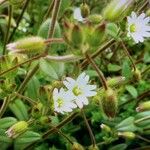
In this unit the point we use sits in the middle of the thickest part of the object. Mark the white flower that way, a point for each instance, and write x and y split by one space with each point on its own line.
77 14
63 102
138 27
80 89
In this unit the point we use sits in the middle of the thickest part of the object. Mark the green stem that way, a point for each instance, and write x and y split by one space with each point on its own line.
99 72
142 138
4 105
19 19
129 56
8 28
89 129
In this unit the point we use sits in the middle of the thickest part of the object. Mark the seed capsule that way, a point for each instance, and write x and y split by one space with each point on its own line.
85 10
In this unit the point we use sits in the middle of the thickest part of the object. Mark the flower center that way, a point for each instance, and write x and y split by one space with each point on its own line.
132 27
60 102
76 91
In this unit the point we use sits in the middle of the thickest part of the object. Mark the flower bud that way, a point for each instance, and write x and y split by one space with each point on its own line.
95 38
143 106
117 9
85 10
16 3
115 81
37 110
30 45
137 74
76 36
19 58
44 120
17 129
93 147
128 135
109 103
77 146
148 12
105 127
95 18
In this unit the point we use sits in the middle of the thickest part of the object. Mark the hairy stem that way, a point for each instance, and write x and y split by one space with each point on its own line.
19 19
129 56
32 102
4 105
8 28
89 129
49 10
99 72
25 62
54 18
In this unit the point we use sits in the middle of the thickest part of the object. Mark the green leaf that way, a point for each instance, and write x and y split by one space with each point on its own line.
55 70
32 88
126 70
7 122
5 141
112 29
19 109
119 147
47 69
113 67
25 139
127 125
132 90
145 123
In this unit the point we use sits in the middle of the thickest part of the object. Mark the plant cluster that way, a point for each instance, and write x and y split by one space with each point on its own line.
74 75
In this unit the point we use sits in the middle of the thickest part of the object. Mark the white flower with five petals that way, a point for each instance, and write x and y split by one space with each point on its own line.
138 27
80 89
63 102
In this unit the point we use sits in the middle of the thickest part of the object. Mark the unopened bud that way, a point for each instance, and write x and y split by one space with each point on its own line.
95 18
77 36
85 10
117 9
115 81
17 129
109 103
93 147
57 84
128 135
105 128
37 110
148 12
137 74
143 106
77 146
16 57
30 45
97 35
